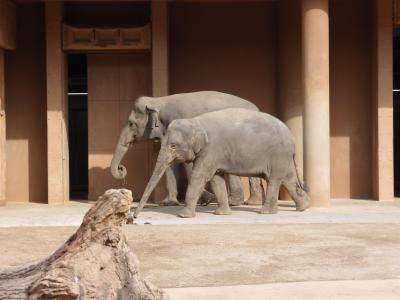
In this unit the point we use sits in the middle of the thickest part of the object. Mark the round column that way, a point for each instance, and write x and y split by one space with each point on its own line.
315 67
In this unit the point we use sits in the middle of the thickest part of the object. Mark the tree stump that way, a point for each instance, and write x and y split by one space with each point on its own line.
94 263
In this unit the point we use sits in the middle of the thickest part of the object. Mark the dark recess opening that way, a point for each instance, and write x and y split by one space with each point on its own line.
396 110
111 13
78 126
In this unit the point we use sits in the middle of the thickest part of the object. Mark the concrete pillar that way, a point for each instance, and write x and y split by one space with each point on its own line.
57 142
289 73
7 41
382 110
315 58
2 133
159 24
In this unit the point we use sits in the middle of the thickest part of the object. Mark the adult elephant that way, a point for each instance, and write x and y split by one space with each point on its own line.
230 141
150 118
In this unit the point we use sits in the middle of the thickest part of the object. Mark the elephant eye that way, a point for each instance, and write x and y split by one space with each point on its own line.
172 146
130 124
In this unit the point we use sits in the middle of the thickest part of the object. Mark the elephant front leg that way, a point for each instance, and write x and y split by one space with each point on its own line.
172 177
219 188
236 195
193 192
206 197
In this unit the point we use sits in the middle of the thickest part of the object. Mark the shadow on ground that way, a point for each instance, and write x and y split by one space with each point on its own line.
213 255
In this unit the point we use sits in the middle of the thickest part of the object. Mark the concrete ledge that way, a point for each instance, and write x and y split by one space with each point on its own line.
341 212
332 290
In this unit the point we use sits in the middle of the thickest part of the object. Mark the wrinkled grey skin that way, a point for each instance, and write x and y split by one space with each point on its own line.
150 118
231 141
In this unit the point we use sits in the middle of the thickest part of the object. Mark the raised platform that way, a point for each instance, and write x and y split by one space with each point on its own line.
341 211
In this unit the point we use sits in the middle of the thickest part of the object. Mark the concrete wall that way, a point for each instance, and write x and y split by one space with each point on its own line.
115 81
237 53
228 47
224 47
25 77
350 98
382 100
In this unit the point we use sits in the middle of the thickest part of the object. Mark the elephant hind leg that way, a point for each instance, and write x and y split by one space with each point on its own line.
270 205
219 188
206 198
256 191
236 194
298 195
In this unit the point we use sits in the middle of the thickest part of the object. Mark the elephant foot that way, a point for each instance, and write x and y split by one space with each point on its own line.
186 213
206 198
303 205
223 211
235 200
254 200
170 202
269 210
131 218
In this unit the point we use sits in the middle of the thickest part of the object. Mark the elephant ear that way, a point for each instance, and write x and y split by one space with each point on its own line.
200 137
153 116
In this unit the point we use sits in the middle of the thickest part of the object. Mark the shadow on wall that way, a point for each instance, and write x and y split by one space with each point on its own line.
350 99
100 180
25 80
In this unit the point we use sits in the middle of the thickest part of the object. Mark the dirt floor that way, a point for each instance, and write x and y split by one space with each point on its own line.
214 255
309 290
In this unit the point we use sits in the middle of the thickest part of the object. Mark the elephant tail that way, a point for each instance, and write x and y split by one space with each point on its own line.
301 186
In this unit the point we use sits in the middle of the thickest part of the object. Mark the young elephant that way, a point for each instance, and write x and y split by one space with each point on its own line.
230 141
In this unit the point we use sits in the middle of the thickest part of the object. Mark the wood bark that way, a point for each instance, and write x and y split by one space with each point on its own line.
94 263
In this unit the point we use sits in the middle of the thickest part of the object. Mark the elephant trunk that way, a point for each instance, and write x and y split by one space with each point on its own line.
163 162
118 171
126 138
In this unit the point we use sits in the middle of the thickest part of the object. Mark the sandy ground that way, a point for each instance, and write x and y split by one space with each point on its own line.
313 290
205 255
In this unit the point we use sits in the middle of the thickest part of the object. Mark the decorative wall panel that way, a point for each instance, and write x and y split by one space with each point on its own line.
92 39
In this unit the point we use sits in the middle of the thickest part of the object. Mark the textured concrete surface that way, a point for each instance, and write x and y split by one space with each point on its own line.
315 290
341 211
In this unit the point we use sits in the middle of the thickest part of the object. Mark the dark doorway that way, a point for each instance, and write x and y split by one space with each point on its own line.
78 126
396 110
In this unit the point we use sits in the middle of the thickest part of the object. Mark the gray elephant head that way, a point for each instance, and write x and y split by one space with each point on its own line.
143 124
183 141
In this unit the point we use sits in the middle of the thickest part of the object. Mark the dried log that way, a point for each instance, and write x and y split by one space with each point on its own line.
94 263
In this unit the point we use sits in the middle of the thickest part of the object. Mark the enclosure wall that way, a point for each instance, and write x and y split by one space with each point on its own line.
350 98
224 47
25 77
